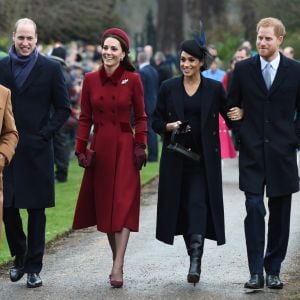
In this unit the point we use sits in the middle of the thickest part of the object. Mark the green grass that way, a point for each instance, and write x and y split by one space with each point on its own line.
59 218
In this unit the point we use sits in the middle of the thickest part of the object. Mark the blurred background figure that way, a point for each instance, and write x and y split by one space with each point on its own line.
214 71
150 80
61 141
163 69
289 52
148 50
247 44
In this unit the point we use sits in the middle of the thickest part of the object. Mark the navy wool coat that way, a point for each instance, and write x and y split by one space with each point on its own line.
170 108
270 130
40 107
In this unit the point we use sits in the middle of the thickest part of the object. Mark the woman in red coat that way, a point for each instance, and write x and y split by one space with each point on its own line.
110 191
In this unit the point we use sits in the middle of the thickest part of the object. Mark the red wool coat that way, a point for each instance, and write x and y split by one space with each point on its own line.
109 196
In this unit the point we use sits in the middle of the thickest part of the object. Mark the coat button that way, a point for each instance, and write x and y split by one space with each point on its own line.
101 97
267 140
169 114
113 97
214 132
214 115
216 150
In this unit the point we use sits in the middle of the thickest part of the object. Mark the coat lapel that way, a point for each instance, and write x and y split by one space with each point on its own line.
207 96
33 75
256 73
280 75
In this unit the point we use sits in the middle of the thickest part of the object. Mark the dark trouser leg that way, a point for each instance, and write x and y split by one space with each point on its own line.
278 233
152 143
14 231
61 154
255 231
36 240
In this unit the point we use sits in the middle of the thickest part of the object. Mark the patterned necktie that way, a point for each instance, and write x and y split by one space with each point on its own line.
267 75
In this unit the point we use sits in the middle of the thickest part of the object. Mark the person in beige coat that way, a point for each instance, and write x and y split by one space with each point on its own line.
8 138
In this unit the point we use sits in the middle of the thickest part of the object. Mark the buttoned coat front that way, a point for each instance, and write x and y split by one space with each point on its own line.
110 191
170 108
40 107
270 130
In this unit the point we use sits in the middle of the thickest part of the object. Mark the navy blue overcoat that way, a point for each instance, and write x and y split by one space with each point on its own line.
40 107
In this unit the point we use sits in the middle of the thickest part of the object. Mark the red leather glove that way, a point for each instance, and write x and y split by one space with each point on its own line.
140 156
82 161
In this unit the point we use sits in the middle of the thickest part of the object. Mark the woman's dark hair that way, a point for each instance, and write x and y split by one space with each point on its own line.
193 48
126 62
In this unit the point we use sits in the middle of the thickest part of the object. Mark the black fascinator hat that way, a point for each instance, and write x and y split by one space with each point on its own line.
196 46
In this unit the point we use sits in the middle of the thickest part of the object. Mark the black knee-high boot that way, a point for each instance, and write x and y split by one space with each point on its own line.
195 252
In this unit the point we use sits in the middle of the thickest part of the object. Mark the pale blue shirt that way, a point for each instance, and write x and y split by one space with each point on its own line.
274 65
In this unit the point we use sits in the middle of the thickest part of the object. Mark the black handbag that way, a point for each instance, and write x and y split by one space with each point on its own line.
177 142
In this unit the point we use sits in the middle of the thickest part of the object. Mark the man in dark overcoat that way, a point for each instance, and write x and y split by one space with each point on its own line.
40 106
149 78
267 87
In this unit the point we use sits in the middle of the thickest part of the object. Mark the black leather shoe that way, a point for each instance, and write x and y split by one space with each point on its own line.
274 282
34 280
256 281
15 274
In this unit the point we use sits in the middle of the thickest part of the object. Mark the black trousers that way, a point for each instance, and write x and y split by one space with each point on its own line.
32 246
277 235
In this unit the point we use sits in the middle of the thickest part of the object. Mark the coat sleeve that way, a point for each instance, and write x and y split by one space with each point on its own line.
60 102
297 116
140 118
85 119
234 97
9 135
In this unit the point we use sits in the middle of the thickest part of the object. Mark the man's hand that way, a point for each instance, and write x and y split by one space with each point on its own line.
235 113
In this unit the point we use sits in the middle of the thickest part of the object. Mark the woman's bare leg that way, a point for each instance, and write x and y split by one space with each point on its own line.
112 244
121 239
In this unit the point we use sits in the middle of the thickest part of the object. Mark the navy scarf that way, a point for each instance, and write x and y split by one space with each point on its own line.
22 65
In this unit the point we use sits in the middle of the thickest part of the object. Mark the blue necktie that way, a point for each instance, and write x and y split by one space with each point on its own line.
267 75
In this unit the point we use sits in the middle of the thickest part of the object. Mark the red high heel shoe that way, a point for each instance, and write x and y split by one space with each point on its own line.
116 283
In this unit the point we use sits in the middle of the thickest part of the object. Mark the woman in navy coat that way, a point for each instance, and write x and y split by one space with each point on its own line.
110 191
190 201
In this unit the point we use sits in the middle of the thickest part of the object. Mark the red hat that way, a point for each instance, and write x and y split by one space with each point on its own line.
117 32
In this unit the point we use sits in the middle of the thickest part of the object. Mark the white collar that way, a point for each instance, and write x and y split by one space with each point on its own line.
141 66
274 63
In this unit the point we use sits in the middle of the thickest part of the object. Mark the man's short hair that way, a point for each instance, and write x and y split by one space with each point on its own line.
279 28
25 21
